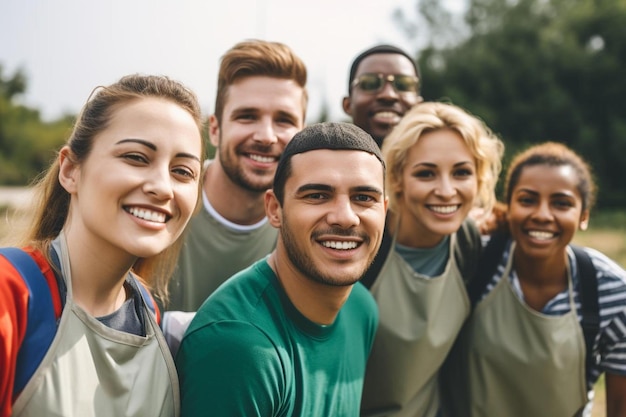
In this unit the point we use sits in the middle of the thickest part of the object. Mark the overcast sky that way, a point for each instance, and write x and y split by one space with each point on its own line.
67 47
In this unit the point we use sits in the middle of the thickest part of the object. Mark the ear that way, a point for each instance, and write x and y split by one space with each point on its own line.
346 105
273 210
584 220
69 170
214 130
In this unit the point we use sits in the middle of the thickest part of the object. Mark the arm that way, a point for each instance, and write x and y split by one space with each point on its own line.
615 395
13 313
612 293
230 369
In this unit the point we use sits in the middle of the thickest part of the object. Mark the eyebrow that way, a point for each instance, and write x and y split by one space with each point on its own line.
326 187
557 194
154 147
255 111
244 110
288 114
433 165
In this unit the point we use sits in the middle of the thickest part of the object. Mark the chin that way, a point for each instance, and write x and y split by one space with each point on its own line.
444 231
338 279
148 250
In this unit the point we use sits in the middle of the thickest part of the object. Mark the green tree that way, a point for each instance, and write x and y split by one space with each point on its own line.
27 144
538 70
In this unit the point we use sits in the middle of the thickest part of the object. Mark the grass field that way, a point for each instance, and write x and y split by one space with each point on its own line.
606 233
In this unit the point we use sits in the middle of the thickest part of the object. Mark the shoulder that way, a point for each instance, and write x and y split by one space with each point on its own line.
611 277
238 319
14 296
605 265
362 305
362 296
247 296
611 341
218 340
468 236
10 277
232 367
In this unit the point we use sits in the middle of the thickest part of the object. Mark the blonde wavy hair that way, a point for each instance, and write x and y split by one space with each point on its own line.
425 117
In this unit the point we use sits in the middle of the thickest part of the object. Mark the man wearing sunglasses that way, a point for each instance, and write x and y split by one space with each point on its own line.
384 84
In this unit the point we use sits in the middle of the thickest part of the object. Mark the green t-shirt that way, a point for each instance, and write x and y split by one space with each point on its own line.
250 352
211 254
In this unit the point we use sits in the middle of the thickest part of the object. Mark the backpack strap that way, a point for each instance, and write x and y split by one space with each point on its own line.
41 321
150 302
590 310
487 265
588 292
468 249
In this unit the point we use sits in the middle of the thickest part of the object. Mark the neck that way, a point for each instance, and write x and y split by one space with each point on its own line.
410 233
230 200
318 302
98 273
540 279
542 271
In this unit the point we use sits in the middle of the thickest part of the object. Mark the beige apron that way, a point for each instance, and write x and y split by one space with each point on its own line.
93 370
521 362
420 318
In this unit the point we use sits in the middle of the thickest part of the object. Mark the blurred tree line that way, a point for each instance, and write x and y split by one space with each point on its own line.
27 144
535 70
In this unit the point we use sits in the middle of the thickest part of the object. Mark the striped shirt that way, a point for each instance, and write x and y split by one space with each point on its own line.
610 343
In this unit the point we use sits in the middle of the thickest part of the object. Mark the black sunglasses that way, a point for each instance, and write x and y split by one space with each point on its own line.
374 83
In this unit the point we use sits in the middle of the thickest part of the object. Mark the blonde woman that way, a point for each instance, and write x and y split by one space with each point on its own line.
441 163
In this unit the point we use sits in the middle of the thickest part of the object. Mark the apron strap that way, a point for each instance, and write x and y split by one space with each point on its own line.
487 265
588 291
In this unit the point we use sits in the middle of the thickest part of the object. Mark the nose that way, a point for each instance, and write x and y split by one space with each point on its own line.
387 91
445 187
265 133
543 212
159 184
342 214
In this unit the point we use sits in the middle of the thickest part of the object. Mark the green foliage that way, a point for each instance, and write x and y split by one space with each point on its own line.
538 70
27 144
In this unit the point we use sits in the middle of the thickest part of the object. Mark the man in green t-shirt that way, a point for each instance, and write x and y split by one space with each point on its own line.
290 335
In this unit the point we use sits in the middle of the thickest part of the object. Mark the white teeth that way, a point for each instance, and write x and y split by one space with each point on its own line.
386 117
339 245
149 215
444 209
540 235
261 158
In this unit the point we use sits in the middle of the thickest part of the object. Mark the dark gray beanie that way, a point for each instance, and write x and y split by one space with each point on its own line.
328 135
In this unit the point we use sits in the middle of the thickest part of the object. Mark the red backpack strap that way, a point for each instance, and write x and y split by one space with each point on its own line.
41 323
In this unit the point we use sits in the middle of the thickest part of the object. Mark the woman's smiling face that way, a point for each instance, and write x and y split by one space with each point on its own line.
437 188
545 210
138 187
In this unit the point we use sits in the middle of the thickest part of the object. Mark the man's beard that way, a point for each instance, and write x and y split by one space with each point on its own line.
307 267
237 174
